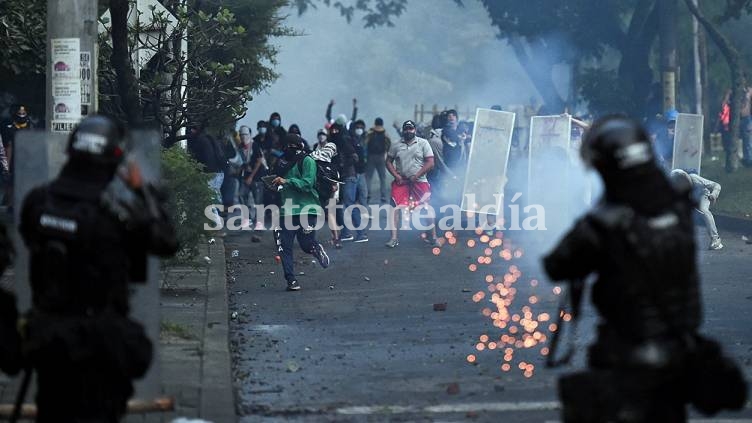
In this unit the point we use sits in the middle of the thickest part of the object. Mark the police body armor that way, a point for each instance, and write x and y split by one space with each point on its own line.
86 246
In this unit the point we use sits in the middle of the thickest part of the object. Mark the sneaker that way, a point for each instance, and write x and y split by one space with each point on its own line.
716 245
361 238
293 285
259 227
392 243
337 244
347 237
245 224
321 256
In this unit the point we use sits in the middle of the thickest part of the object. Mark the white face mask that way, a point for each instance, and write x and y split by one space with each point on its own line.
262 130
359 132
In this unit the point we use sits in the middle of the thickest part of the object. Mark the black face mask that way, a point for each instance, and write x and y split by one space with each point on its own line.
409 136
21 119
291 154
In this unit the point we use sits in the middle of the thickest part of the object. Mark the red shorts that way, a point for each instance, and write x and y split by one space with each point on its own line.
420 191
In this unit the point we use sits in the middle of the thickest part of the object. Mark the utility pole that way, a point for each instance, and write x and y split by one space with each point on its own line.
71 62
668 28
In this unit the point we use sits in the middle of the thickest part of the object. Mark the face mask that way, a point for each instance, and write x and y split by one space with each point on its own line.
409 136
322 138
290 154
359 132
21 119
275 122
262 130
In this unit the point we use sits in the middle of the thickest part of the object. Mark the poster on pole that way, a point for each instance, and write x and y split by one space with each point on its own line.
85 81
688 142
487 162
65 56
549 158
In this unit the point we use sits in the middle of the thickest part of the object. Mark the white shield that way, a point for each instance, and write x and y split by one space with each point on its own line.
688 142
550 163
487 162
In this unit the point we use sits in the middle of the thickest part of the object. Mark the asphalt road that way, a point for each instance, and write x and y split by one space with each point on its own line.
362 340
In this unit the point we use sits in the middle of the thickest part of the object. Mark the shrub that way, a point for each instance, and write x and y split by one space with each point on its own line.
189 195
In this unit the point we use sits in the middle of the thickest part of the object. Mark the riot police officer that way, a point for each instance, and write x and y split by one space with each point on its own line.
88 233
10 341
639 240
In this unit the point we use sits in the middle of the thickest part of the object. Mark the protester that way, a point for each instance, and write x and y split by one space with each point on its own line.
295 129
342 119
409 161
207 151
251 187
355 190
708 192
20 122
89 234
745 128
723 125
346 159
300 208
377 144
325 152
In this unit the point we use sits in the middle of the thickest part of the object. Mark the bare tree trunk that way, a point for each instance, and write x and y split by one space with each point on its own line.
668 30
541 76
738 78
634 68
121 63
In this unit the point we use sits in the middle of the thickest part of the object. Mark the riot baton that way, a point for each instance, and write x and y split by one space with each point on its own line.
573 296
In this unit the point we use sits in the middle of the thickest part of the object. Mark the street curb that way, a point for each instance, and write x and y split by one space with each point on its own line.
217 393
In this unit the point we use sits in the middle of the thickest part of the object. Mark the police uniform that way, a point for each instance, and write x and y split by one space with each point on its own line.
642 248
88 236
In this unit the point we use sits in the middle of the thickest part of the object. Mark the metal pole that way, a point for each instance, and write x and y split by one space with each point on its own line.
71 62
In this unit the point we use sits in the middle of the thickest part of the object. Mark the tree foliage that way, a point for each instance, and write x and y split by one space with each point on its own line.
203 66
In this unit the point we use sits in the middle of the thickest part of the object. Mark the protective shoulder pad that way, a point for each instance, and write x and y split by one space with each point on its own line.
610 216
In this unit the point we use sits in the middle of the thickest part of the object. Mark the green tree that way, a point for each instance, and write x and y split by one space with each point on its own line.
210 82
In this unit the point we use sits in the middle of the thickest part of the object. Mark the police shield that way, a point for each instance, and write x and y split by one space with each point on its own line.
688 142
549 158
487 162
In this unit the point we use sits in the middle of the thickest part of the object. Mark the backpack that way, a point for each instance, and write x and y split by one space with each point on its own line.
326 175
377 143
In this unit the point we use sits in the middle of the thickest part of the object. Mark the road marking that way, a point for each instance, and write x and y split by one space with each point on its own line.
452 408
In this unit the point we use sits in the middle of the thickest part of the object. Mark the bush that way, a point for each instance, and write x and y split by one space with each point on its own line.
189 195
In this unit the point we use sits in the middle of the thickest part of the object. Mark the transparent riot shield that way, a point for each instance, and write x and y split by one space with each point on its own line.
688 142
549 157
487 162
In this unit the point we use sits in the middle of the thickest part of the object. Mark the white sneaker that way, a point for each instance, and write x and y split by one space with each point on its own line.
716 244
245 224
259 227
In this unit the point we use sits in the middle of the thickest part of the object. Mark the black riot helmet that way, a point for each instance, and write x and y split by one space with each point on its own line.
617 144
98 139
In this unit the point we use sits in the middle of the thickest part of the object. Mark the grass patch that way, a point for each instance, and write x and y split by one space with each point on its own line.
170 329
736 189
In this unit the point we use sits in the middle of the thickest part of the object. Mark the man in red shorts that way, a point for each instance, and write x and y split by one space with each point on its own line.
408 161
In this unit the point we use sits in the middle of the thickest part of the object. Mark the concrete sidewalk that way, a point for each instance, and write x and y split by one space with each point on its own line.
194 348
